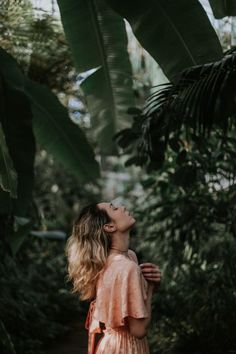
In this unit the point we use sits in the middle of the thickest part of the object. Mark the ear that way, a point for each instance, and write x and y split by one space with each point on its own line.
109 227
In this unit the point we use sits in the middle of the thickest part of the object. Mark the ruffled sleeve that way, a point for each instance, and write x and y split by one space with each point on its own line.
133 256
122 293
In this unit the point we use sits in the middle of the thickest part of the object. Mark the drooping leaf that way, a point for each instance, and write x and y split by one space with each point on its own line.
202 100
16 118
177 34
17 126
222 8
97 38
52 126
56 132
8 174
203 95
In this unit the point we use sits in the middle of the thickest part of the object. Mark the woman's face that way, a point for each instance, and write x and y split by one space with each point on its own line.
121 218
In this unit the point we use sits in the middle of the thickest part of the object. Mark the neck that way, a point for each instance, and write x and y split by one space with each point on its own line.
120 242
117 250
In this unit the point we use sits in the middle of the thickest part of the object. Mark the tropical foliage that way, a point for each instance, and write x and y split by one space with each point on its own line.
34 297
223 8
104 49
199 102
33 282
186 224
70 98
50 122
31 114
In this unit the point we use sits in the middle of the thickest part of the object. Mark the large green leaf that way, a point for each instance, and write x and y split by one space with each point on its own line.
53 128
8 174
190 110
178 34
56 132
16 118
222 8
97 38
17 125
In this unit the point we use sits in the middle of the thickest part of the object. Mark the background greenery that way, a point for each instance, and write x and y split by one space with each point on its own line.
64 95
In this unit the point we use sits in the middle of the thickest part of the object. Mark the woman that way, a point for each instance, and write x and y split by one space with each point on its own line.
103 269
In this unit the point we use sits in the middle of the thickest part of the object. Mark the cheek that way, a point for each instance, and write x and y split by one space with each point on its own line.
126 221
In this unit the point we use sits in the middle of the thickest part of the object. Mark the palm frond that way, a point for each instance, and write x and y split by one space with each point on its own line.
201 101
203 96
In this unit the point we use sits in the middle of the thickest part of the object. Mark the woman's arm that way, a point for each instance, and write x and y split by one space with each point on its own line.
138 327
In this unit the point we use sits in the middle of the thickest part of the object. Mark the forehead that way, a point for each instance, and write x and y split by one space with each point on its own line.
104 205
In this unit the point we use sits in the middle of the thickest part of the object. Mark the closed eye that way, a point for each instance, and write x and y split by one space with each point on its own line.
113 207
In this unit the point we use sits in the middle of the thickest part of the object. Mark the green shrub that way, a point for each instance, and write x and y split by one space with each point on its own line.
194 311
35 301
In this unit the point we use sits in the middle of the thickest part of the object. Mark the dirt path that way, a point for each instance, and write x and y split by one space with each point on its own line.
74 342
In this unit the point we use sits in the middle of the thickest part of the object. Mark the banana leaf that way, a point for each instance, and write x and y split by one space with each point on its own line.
53 128
16 119
8 174
200 103
56 132
97 38
222 8
177 34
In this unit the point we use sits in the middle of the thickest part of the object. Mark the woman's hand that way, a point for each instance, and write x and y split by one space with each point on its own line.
151 273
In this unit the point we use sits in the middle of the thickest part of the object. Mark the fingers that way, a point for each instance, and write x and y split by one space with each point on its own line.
147 265
151 272
149 269
155 275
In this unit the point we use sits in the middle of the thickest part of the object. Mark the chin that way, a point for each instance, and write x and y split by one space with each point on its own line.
133 220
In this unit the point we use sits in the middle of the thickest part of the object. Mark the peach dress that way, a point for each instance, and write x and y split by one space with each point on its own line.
121 292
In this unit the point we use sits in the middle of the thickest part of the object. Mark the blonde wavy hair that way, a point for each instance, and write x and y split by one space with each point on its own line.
87 250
